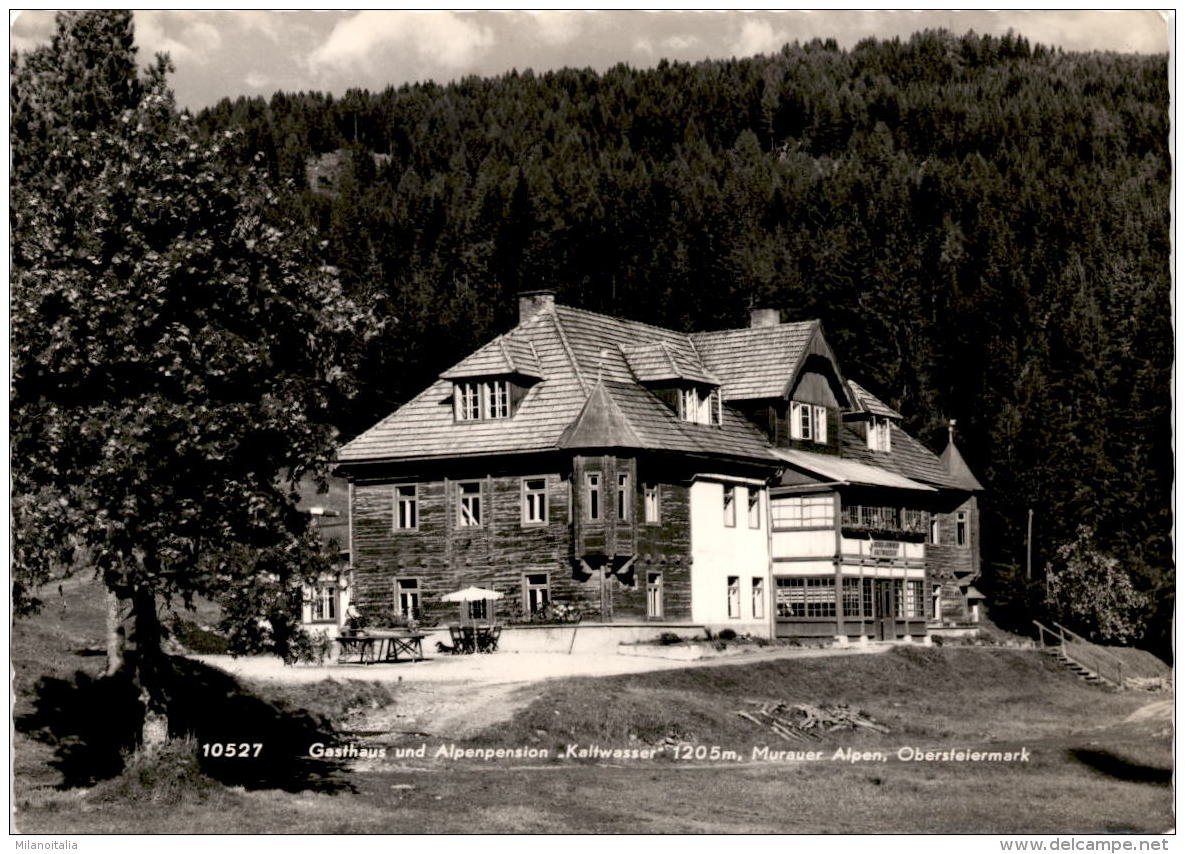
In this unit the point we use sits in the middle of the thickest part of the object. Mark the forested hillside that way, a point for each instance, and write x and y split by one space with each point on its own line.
982 226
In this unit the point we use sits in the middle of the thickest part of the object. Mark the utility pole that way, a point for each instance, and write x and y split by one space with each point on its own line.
1029 548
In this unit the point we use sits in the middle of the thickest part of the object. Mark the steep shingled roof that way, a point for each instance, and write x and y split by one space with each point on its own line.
666 361
755 363
869 402
578 352
589 395
958 468
505 355
908 457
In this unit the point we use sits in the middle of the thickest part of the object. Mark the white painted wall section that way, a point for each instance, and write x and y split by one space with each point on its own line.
719 551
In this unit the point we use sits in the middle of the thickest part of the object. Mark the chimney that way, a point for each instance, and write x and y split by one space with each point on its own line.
531 303
764 317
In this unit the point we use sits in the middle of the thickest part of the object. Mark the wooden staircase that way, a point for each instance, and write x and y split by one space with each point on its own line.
1088 663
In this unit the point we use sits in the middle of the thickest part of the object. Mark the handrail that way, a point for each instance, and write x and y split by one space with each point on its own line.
1099 655
1094 652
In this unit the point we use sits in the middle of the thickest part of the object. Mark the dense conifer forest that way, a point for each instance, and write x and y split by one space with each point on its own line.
981 224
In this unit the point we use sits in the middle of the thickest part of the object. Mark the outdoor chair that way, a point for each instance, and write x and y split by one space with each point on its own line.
457 635
469 641
488 639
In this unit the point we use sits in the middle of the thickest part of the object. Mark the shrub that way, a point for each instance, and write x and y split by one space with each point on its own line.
669 638
726 635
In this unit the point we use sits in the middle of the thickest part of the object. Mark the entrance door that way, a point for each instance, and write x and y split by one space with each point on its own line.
886 611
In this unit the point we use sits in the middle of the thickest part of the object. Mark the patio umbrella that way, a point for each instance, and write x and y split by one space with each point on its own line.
471 594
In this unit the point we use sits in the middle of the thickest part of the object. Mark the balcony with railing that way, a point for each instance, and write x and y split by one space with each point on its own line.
901 523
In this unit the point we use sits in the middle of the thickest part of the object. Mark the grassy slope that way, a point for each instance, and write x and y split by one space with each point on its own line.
1087 773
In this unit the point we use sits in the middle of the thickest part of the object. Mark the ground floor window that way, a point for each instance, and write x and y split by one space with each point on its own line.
536 593
407 598
851 597
654 594
324 603
915 604
734 597
478 610
806 597
758 598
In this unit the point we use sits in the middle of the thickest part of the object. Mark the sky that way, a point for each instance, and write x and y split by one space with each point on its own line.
221 53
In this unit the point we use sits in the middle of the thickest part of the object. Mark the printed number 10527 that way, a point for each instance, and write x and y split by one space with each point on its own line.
232 751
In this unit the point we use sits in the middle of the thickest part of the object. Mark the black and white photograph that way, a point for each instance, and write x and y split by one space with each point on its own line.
581 422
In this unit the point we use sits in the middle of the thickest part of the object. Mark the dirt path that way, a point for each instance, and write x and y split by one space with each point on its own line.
445 710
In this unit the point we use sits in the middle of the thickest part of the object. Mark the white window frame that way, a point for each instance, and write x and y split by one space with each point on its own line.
935 528
469 504
700 406
652 503
406 501
654 595
754 507
803 511
758 592
734 597
730 506
819 414
880 433
623 498
534 501
592 496
480 400
413 597
324 599
530 587
800 420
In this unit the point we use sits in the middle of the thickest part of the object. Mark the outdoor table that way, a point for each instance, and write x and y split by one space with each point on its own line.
359 645
410 644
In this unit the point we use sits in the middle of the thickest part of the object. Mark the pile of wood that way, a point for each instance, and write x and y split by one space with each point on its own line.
802 721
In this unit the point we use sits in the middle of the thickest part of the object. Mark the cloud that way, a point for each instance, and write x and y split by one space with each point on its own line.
445 39
30 29
195 42
680 42
558 28
644 46
257 79
758 37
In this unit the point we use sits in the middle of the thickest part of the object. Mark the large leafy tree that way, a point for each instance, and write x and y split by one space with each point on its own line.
178 357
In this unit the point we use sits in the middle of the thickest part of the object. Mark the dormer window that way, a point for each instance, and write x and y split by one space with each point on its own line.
478 400
699 405
808 422
879 434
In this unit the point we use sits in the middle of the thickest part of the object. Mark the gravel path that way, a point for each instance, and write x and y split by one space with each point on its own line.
502 667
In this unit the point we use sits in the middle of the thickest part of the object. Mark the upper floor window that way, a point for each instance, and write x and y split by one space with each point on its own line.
407 509
700 405
806 511
623 497
879 434
469 504
650 504
754 508
934 528
534 501
592 492
730 506
961 538
808 422
476 400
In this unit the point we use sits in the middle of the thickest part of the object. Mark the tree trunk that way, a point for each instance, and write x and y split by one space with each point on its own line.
116 639
134 651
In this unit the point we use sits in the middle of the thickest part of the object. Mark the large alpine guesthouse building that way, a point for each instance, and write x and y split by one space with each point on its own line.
640 476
